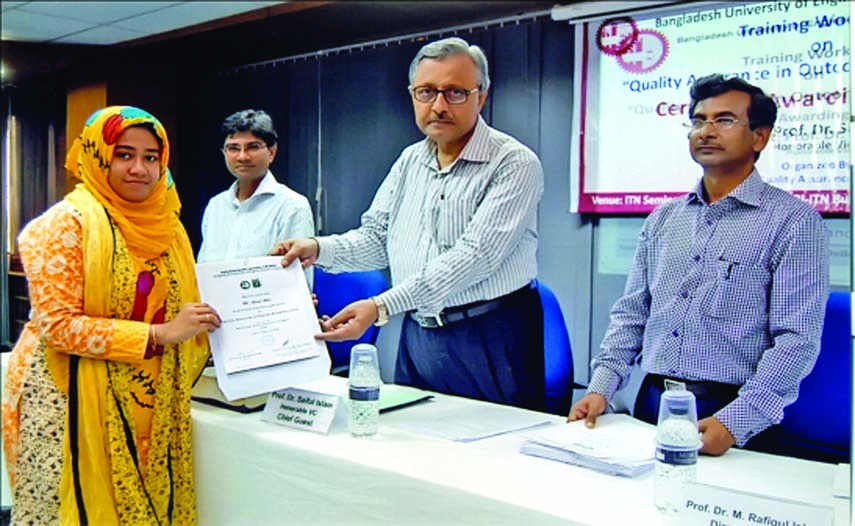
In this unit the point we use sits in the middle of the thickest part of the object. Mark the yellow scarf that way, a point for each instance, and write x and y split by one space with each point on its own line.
148 227
104 477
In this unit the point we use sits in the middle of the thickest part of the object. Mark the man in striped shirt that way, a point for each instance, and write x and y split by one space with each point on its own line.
728 289
455 221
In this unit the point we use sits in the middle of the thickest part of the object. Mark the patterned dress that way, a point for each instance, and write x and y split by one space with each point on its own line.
35 406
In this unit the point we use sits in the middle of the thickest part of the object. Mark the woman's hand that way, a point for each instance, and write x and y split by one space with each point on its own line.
190 321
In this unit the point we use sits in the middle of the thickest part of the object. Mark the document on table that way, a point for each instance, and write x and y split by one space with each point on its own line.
266 341
842 476
394 396
472 422
618 445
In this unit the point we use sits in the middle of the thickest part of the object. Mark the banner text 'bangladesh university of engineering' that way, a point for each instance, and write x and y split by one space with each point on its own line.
630 150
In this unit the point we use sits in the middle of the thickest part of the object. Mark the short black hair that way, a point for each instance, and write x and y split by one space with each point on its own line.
762 112
257 122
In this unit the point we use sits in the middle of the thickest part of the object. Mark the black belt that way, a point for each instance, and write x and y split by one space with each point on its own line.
700 388
470 310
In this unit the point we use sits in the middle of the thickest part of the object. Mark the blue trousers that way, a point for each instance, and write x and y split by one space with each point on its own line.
497 356
710 397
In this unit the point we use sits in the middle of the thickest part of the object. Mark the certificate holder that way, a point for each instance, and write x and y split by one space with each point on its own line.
266 341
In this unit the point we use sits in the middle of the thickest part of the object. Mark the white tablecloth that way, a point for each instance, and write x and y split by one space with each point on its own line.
254 473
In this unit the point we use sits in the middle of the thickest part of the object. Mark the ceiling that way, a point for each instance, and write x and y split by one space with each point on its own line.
41 38
104 23
46 36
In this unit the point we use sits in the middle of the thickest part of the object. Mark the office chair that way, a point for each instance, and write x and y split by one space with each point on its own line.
336 291
818 425
557 355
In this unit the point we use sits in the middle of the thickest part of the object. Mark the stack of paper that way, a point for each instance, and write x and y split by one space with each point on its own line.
618 445
208 392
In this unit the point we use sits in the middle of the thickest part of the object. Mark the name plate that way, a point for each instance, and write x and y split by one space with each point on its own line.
706 505
302 409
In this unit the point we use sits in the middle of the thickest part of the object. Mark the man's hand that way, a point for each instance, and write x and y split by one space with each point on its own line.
350 323
589 408
306 249
716 438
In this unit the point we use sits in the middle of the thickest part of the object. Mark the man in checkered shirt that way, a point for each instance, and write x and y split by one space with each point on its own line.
728 288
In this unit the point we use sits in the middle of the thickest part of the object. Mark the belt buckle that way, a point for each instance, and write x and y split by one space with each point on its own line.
428 322
673 385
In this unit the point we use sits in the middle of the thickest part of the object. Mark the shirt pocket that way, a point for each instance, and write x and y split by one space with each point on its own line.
739 291
448 220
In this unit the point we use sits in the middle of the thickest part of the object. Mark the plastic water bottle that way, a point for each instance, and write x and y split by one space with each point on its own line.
677 444
364 390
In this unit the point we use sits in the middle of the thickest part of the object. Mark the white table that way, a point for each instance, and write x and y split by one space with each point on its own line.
254 473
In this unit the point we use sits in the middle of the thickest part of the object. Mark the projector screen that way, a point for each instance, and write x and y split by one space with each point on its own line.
630 150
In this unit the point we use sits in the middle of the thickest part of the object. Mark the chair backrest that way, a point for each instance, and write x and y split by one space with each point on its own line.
818 425
557 354
336 291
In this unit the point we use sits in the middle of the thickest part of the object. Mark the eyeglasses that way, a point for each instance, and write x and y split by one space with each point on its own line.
719 123
429 94
250 148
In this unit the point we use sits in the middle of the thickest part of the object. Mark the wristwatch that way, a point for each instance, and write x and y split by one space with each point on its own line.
382 312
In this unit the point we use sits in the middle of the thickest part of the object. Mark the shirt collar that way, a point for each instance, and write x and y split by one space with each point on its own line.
268 185
747 192
477 149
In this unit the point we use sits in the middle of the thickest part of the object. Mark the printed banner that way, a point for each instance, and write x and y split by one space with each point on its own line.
630 150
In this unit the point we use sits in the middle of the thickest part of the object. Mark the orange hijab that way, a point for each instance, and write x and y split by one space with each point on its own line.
150 226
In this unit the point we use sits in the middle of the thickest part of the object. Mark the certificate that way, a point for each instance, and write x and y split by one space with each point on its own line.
267 313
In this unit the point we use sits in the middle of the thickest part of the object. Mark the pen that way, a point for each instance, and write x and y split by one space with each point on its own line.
729 269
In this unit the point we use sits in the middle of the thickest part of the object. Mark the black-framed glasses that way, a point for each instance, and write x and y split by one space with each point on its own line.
719 123
250 148
428 94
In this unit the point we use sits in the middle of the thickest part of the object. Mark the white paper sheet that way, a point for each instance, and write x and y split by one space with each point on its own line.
618 445
842 478
468 423
266 342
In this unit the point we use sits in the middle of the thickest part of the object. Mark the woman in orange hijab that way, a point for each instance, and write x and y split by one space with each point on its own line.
96 402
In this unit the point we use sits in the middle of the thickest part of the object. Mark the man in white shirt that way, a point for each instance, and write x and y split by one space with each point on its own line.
256 210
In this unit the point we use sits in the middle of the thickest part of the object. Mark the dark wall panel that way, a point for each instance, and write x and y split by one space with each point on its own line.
367 119
515 71
299 130
564 248
37 107
203 106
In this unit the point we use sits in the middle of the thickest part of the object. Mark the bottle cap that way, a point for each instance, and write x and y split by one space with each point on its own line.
678 420
363 356
677 403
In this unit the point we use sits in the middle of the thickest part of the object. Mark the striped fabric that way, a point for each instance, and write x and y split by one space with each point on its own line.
734 292
453 236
